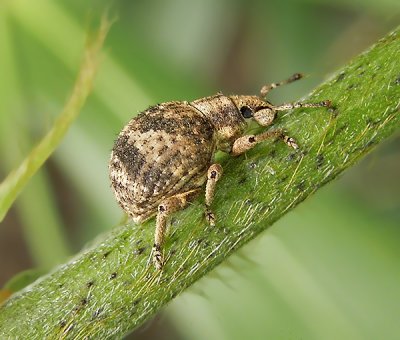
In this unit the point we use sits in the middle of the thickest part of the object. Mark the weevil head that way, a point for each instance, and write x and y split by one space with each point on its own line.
254 107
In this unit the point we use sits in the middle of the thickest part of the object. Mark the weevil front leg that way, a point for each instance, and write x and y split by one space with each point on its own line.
165 209
214 173
248 142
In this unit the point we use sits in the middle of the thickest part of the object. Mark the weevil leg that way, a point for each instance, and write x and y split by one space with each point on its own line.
267 88
289 106
267 115
248 142
214 173
165 209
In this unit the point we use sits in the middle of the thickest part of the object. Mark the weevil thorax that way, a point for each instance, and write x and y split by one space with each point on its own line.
224 115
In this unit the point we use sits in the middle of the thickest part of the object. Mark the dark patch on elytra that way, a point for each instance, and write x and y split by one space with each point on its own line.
320 159
113 276
129 155
187 122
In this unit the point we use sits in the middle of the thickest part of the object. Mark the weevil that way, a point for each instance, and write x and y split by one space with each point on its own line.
163 157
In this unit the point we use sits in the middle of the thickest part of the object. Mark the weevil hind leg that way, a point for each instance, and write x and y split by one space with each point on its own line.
165 209
214 173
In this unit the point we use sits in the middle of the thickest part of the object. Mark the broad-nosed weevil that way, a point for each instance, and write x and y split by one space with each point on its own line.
162 158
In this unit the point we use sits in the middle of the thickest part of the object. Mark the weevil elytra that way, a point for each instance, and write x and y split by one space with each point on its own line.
162 158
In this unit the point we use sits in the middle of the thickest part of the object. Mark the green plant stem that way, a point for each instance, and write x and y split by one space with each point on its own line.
109 289
17 179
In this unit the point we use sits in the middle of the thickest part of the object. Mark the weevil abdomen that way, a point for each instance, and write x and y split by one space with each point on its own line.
164 151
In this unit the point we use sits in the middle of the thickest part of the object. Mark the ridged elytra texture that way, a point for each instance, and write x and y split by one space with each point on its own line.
167 150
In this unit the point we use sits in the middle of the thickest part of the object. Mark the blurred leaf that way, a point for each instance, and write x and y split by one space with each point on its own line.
23 279
16 180
109 289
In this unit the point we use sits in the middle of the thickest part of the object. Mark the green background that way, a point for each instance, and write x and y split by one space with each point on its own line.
328 270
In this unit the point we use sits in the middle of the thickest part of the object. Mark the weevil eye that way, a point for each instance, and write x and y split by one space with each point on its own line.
246 112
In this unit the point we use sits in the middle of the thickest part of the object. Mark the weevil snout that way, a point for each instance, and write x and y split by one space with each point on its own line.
264 116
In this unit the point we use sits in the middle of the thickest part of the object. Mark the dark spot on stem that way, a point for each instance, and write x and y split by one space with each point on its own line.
136 302
301 186
89 284
97 312
252 165
334 111
113 276
62 324
69 328
397 81
248 201
291 157
283 179
139 250
351 86
106 254
370 144
340 77
242 180
84 301
372 123
320 160
272 154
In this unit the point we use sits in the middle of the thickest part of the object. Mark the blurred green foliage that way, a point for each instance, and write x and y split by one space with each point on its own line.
327 270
